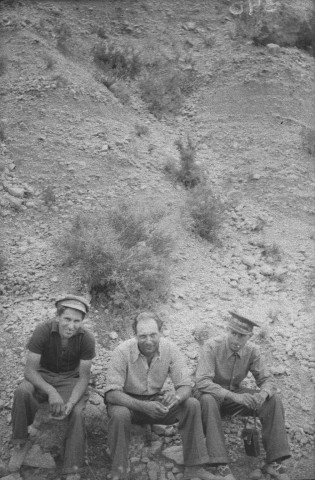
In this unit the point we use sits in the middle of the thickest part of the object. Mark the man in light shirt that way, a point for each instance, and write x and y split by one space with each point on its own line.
224 363
135 377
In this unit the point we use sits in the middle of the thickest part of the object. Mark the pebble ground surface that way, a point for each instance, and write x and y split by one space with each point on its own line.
63 129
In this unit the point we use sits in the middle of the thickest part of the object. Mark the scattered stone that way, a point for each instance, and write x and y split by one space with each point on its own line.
13 476
273 48
174 453
249 260
266 270
36 458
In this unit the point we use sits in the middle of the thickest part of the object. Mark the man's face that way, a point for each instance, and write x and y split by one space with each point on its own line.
237 340
69 322
148 337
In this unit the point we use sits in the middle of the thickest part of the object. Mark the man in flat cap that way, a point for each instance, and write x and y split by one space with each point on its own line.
57 369
224 363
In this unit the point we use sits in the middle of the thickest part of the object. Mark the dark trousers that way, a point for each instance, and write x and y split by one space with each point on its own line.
190 427
271 415
25 406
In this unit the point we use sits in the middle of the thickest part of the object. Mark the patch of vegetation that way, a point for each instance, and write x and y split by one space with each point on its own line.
189 172
3 65
122 255
271 252
164 88
3 261
121 62
2 132
63 34
141 130
49 196
205 211
50 61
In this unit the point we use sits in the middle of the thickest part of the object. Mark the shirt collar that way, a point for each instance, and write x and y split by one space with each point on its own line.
135 352
230 352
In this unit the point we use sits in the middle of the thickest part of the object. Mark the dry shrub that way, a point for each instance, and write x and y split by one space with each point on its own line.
205 211
122 255
164 88
122 62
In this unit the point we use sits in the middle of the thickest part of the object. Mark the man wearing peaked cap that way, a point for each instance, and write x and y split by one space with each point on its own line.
223 364
57 369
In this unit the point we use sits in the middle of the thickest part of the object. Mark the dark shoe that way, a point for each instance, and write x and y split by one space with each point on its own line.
224 471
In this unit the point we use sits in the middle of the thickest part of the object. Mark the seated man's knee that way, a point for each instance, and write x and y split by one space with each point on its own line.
208 401
191 403
24 389
119 414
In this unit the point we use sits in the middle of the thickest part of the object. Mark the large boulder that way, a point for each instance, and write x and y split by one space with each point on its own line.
288 25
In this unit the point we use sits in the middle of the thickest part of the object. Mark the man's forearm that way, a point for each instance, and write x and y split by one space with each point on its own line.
122 399
78 390
34 377
182 393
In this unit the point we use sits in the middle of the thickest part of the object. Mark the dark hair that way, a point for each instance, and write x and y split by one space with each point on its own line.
61 309
147 316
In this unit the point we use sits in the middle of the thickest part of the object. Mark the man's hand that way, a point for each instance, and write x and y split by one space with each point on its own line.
56 404
260 398
246 399
68 408
154 409
169 399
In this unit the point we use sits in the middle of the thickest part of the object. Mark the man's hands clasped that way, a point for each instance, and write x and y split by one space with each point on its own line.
57 407
249 400
160 408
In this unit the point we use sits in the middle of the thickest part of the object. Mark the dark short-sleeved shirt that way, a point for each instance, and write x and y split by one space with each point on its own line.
46 341
220 370
129 371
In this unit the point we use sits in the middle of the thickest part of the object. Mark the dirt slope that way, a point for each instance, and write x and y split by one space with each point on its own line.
248 114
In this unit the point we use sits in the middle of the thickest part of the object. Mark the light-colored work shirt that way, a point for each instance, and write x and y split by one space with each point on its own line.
129 371
221 370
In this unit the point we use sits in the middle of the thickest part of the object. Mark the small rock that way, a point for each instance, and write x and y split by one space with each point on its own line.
35 458
249 260
266 270
14 191
255 474
273 48
113 335
174 453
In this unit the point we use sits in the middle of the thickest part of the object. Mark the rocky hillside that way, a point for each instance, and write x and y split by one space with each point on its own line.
75 138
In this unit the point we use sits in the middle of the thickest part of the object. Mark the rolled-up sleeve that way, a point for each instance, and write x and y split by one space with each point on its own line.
261 373
178 369
116 372
206 373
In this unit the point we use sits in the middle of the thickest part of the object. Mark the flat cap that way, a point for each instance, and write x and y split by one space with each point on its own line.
73 301
241 324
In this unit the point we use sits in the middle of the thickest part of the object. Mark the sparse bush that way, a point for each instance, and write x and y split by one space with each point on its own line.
63 33
209 40
122 255
3 65
205 212
49 196
50 61
271 252
164 88
122 62
141 130
3 261
121 92
189 173
2 132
